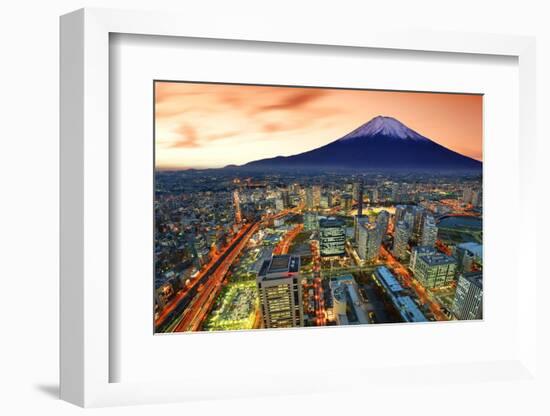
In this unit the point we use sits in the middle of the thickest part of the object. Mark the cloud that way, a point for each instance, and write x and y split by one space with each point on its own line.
188 137
294 101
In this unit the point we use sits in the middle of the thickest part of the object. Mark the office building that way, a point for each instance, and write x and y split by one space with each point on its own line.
237 207
419 251
310 204
418 214
280 292
435 270
279 204
346 202
332 237
468 301
367 247
402 234
311 221
429 232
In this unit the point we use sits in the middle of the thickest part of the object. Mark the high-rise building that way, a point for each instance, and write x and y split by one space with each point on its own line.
374 196
279 204
418 222
280 292
357 221
316 189
347 202
401 238
429 232
332 237
285 196
310 204
324 201
237 206
367 247
468 302
435 270
360 198
399 214
311 221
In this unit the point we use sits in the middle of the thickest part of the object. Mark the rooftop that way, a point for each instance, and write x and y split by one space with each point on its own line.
279 264
475 278
437 259
388 279
331 222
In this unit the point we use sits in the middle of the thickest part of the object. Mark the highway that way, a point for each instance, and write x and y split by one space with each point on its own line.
172 314
408 280
195 314
284 244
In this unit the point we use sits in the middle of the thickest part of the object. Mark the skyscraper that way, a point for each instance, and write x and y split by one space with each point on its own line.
359 198
402 234
399 214
468 302
310 204
311 221
237 206
280 292
332 236
418 222
367 248
429 232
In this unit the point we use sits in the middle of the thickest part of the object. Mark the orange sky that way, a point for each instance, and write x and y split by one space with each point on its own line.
213 125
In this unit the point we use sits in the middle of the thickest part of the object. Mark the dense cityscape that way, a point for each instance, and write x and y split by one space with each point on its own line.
237 250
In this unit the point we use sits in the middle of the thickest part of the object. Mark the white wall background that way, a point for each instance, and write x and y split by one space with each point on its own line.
29 205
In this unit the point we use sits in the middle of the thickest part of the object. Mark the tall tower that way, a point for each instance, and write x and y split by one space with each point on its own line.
237 206
280 290
360 200
429 232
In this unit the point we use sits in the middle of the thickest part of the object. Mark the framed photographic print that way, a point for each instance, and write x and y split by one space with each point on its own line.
279 212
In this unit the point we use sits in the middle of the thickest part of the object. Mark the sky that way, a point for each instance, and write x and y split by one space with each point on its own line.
214 125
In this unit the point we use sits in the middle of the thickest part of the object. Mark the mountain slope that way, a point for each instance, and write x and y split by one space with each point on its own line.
382 143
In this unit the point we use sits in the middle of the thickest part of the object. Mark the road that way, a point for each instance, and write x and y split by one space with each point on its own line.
172 313
195 314
284 244
408 280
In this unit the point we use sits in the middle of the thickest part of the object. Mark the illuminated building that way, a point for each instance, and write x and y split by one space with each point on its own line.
332 237
237 207
402 234
419 251
366 241
418 222
280 292
468 302
309 198
434 270
311 221
429 232
347 202
279 204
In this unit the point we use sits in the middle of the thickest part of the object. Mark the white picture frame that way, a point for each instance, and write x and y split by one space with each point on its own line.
85 182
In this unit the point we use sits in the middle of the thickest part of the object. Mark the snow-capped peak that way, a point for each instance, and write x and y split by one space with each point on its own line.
384 126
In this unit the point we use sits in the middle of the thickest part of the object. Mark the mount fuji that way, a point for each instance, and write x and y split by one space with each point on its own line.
383 143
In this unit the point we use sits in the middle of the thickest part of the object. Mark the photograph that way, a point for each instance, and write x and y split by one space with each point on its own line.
281 206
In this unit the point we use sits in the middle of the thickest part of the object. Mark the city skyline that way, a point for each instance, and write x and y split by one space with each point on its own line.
326 213
215 125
